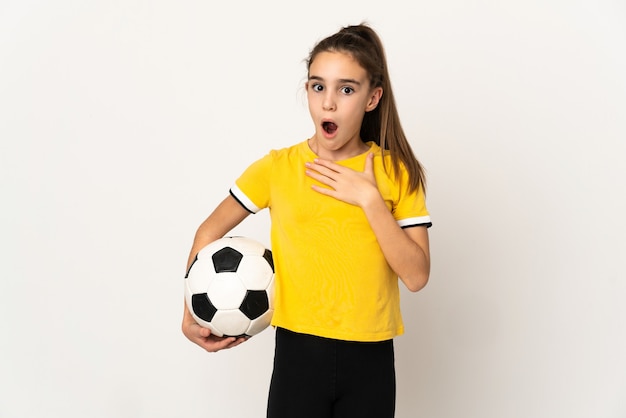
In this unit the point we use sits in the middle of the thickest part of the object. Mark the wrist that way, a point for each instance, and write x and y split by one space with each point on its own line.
373 201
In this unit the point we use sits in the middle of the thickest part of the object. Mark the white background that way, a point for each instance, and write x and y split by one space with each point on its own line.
123 123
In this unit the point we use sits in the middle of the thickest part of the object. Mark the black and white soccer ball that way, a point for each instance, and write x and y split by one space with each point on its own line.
229 287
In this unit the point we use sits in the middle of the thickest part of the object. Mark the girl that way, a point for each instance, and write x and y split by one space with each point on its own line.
348 219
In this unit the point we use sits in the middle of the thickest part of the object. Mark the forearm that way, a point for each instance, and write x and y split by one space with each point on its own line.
187 318
406 250
225 217
205 235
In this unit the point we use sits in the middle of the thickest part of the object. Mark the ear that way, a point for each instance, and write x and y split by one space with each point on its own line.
375 96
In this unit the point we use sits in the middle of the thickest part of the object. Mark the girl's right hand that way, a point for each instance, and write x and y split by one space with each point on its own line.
203 336
205 339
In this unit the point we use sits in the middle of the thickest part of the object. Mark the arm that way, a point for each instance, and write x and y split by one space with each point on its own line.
225 217
406 250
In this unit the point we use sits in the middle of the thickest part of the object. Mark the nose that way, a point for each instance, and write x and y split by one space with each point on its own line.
329 102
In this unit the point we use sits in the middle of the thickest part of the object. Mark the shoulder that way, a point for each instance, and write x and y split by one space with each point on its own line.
383 164
287 156
381 156
290 151
280 153
279 159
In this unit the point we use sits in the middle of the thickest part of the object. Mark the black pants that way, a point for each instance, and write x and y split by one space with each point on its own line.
325 378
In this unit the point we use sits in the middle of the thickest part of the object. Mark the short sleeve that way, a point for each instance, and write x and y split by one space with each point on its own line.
410 207
252 188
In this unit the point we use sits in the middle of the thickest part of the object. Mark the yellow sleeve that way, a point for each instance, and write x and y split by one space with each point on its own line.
252 188
410 207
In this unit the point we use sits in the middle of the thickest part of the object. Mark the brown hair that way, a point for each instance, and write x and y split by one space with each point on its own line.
381 125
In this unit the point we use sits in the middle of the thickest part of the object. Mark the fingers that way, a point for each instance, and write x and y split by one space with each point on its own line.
322 174
330 173
215 344
320 178
237 341
329 168
210 342
324 167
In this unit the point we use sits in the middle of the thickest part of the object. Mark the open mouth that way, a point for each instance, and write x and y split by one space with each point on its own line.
329 127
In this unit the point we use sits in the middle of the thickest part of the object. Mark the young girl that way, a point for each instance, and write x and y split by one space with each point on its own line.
348 219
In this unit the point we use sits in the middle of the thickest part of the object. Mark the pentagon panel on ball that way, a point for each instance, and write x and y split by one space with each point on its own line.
229 287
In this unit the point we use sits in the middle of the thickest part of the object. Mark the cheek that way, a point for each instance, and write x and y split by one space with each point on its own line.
313 101
358 109
311 106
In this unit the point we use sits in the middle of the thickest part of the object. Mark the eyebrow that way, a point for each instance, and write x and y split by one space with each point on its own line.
341 80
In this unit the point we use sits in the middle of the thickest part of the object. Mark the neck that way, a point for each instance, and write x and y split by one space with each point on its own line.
342 153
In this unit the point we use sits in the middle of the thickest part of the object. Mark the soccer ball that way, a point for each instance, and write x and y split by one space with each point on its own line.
229 287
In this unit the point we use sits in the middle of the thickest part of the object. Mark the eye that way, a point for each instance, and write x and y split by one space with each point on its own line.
347 90
317 87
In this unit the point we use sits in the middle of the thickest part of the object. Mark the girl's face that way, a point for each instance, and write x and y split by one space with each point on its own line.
339 94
